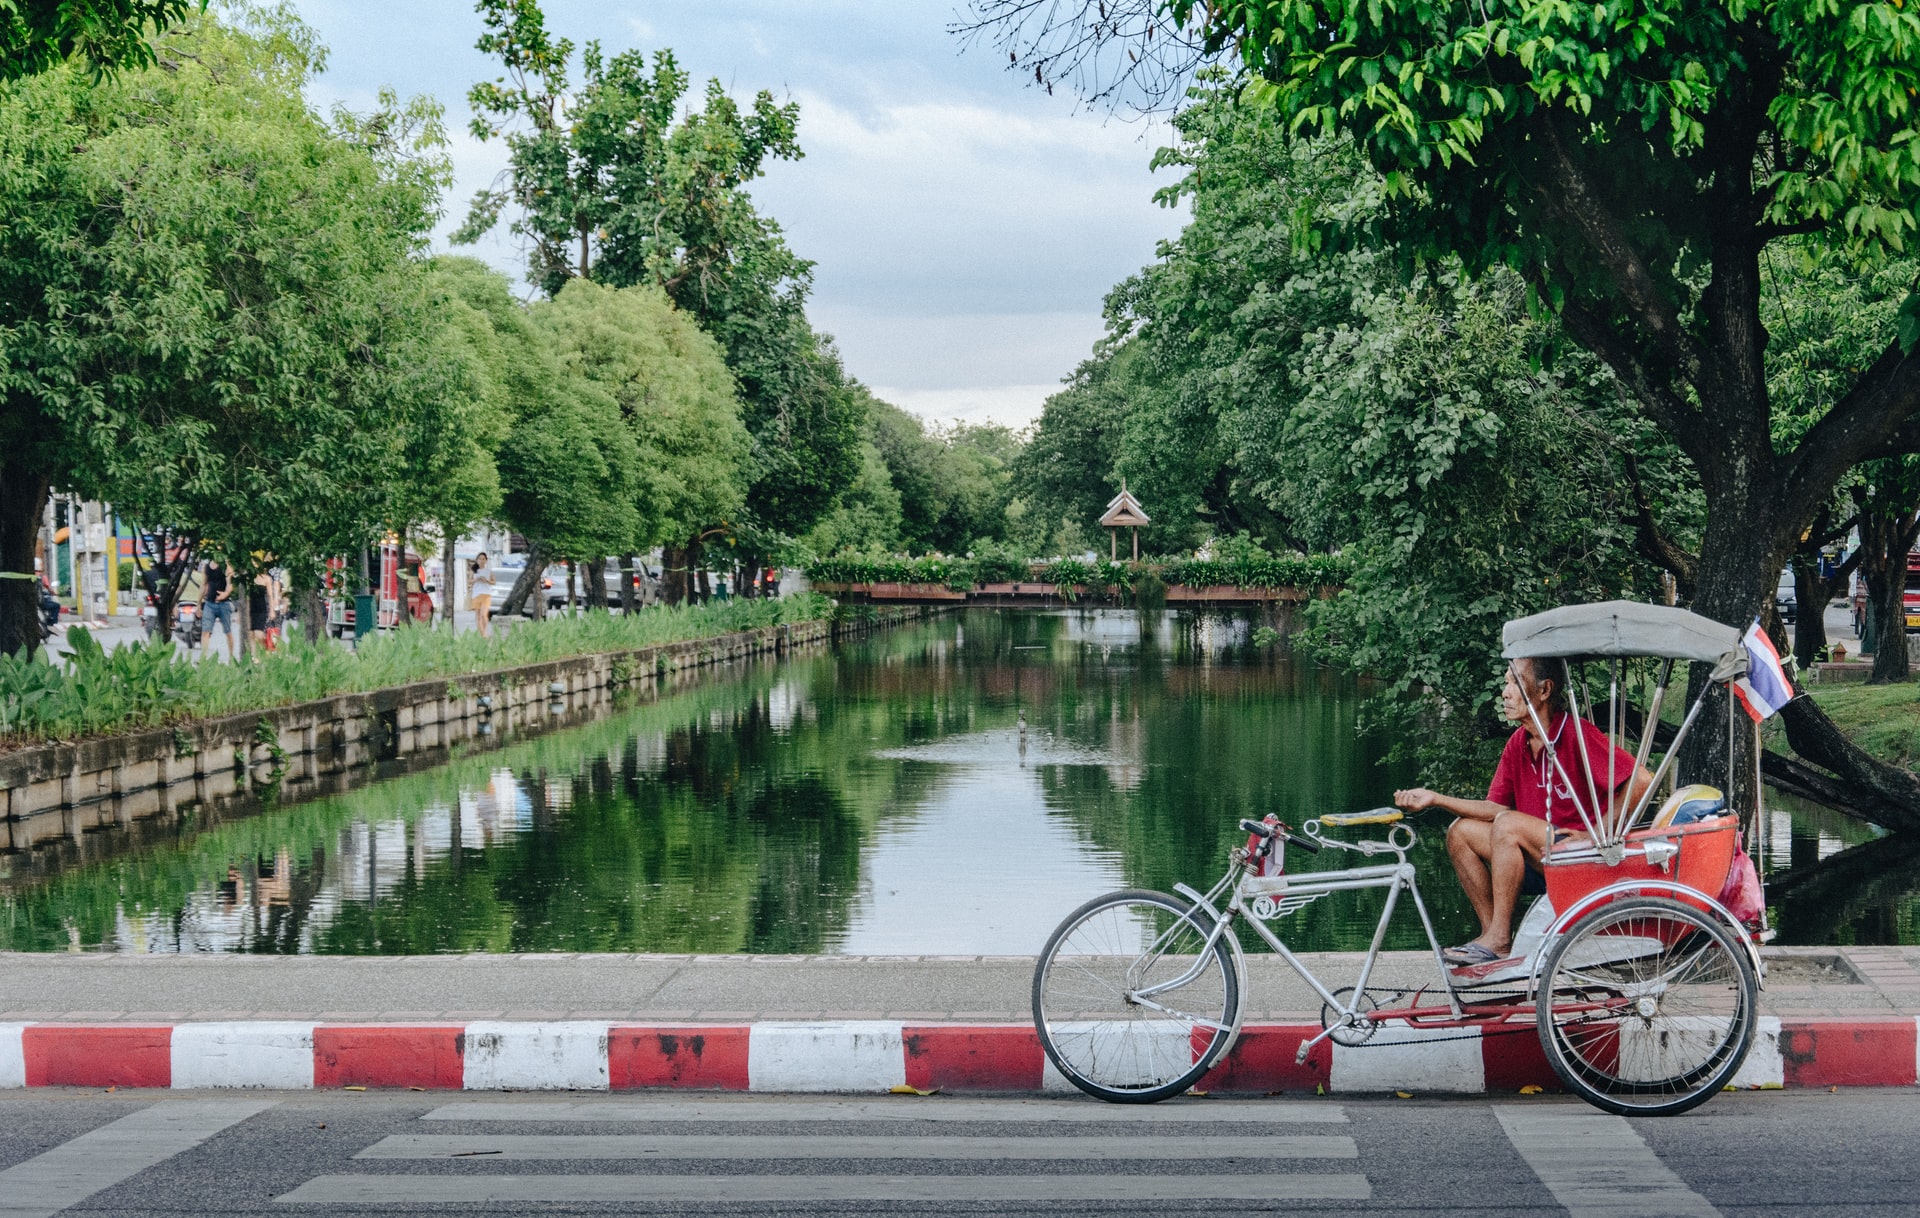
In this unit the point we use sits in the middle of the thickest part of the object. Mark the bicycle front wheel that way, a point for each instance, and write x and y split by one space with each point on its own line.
1130 1003
1647 1006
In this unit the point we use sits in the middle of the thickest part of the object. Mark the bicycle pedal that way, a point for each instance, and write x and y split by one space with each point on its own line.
1300 1058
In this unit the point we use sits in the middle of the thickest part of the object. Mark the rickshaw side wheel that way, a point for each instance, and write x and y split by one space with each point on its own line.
1647 1006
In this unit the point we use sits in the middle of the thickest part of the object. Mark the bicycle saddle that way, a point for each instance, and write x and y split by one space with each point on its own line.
1372 816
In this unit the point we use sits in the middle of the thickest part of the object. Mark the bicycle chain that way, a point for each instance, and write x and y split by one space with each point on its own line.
1475 1034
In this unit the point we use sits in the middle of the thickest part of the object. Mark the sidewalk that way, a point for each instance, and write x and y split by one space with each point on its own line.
1830 1016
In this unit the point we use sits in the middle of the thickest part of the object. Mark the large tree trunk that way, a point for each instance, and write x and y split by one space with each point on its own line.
597 585
313 613
1735 579
527 585
629 598
673 575
1811 594
23 497
1887 530
449 577
242 598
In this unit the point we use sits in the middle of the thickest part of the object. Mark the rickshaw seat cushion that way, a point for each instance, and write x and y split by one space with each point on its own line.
1694 802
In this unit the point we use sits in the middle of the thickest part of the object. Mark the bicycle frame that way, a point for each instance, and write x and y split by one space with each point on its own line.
1249 890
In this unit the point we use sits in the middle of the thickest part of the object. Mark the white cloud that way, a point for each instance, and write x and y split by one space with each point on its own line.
937 351
1012 406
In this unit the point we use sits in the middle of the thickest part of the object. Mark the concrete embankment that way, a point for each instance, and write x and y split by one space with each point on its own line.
1830 1017
309 749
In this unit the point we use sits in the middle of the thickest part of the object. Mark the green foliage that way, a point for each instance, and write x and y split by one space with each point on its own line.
214 315
607 185
104 36
143 685
671 387
996 566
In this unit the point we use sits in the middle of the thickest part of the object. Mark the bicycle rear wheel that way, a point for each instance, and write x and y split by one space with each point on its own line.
1100 1018
1647 1006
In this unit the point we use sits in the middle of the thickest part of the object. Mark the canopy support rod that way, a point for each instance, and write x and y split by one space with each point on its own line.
1586 760
1646 737
1552 758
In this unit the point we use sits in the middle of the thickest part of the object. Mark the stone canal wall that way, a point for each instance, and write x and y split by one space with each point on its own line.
63 790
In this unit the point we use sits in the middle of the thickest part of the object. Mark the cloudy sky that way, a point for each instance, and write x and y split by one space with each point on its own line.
965 227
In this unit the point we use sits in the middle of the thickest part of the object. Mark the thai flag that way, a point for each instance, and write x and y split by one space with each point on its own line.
1765 689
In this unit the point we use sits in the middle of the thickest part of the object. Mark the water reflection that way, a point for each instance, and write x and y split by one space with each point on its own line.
949 788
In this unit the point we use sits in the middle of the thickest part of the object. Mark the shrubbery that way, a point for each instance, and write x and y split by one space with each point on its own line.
136 686
1236 571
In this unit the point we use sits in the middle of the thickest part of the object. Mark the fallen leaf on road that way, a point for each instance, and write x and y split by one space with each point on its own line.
1531 1089
353 1088
1405 1095
903 1089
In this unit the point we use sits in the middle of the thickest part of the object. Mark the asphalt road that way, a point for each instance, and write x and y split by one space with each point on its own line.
269 1153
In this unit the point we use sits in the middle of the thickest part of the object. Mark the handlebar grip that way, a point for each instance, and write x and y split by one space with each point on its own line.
1257 827
1305 843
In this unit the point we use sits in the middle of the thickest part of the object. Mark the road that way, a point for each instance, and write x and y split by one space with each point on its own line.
234 1153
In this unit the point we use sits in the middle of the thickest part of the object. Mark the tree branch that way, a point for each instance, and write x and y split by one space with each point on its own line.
1570 198
1654 541
1672 413
1881 411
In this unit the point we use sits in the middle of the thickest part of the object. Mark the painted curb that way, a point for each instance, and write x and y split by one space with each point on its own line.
848 1056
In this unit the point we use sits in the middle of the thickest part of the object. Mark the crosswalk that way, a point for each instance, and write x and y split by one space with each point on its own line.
1190 1151
693 1152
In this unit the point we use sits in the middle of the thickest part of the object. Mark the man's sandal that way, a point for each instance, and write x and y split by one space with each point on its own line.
1470 953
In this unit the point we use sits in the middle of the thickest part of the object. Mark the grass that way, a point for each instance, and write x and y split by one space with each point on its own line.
147 685
1882 719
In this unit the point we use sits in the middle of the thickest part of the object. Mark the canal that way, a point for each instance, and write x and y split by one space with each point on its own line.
950 787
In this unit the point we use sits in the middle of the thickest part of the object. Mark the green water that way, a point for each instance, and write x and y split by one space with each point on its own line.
884 798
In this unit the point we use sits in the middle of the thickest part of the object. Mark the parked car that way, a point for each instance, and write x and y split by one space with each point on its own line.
1786 599
506 573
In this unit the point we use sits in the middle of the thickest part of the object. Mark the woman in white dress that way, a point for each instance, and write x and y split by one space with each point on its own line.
480 592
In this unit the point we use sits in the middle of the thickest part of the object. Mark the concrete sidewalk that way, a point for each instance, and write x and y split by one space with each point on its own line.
1834 982
1830 1017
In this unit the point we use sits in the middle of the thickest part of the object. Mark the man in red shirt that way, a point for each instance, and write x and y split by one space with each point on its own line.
1530 803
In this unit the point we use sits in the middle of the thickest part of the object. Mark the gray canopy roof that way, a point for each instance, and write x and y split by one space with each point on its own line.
1619 628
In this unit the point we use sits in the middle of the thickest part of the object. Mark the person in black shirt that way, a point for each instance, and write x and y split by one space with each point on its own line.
216 591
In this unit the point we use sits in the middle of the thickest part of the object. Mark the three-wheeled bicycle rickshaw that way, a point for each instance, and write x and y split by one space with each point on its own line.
1642 983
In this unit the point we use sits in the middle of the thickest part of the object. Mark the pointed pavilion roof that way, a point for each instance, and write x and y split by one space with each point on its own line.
1124 511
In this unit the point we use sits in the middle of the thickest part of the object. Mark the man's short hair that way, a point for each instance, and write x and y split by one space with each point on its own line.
1552 669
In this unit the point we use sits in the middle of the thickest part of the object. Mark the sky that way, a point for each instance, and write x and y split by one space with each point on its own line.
965 227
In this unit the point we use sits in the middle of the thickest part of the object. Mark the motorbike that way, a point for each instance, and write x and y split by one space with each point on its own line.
186 624
49 611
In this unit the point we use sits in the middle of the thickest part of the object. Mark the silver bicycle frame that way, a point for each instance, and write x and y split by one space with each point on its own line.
1247 887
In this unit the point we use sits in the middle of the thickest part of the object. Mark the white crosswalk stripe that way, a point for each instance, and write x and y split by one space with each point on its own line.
1598 1167
914 1109
73 1171
1197 1151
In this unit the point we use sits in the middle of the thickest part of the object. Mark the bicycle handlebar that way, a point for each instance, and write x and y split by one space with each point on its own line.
1260 828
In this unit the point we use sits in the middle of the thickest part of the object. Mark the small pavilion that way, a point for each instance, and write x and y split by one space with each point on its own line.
1124 512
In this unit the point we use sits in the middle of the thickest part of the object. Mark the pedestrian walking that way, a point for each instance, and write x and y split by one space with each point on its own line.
480 592
216 590
261 603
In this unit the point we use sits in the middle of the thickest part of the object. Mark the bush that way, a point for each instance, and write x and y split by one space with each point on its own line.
147 684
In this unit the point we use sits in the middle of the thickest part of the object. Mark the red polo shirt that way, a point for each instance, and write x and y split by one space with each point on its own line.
1531 784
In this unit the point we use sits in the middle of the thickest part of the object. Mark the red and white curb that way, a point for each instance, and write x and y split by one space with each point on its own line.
846 1056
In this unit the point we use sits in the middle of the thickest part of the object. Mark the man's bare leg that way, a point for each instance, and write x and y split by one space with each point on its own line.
1469 842
1515 839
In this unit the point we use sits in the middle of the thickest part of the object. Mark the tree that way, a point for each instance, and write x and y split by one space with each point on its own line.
210 303
607 186
673 391
105 36
1633 165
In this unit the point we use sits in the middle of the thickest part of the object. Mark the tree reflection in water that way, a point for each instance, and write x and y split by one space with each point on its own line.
952 786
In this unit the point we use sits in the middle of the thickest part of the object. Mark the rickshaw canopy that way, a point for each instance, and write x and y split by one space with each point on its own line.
1620 628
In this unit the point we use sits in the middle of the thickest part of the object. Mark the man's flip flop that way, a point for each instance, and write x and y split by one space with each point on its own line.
1470 953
